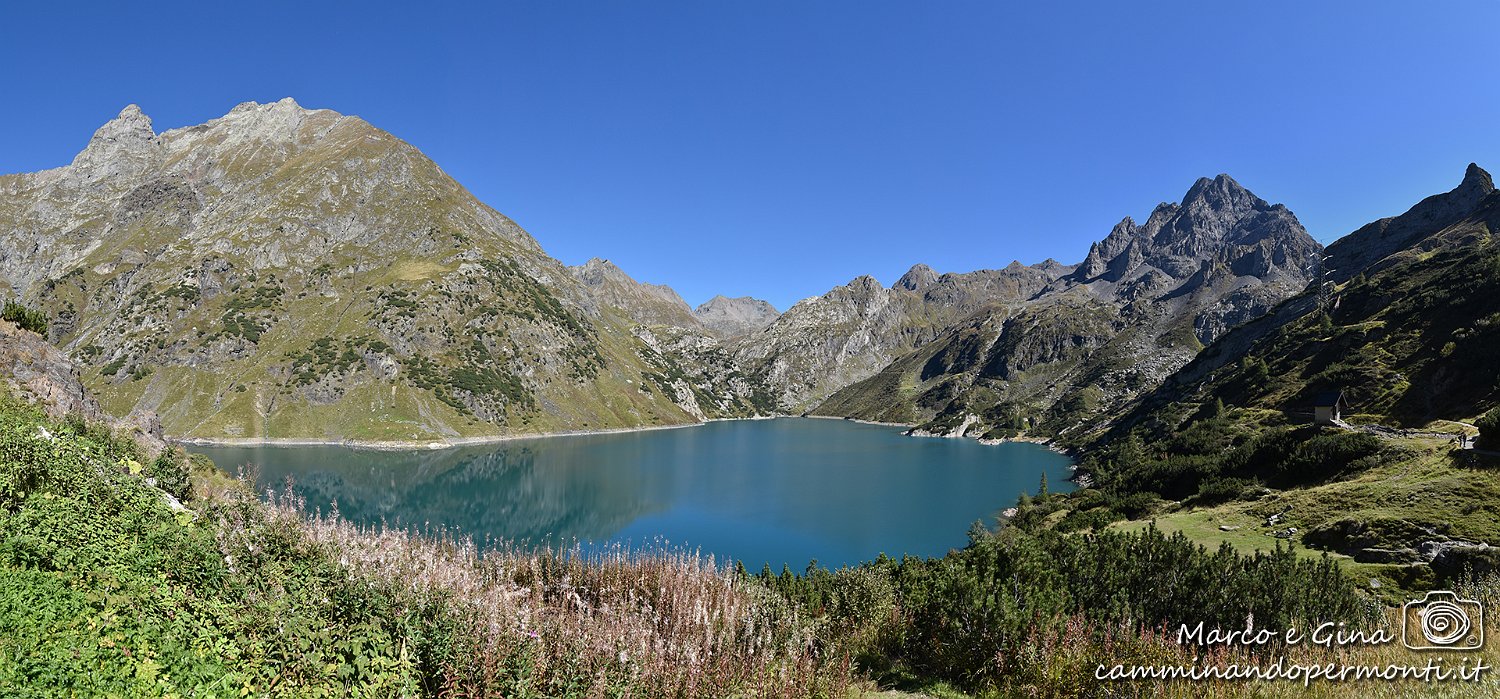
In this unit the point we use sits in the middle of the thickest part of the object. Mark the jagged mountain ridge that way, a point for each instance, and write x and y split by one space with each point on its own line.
283 272
659 305
1406 326
1097 336
824 343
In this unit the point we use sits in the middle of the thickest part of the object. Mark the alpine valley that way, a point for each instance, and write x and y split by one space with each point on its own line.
282 273
1263 433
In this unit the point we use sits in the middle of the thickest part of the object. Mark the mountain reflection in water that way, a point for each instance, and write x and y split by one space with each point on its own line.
765 491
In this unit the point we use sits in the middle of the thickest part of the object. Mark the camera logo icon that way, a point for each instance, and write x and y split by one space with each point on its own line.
1442 621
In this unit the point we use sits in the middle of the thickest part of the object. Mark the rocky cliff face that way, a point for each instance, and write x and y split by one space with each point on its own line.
827 342
1097 335
35 371
284 272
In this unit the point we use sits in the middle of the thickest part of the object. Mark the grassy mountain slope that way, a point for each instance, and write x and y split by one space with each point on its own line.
1225 451
288 273
1410 337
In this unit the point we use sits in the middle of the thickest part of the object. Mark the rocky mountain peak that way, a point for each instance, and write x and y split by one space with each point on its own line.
731 317
1476 185
122 146
1221 193
864 283
131 118
283 104
1476 181
917 278
245 239
598 273
274 121
648 304
596 269
1052 267
1218 221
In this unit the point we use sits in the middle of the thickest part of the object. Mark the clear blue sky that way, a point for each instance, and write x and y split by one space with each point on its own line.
780 148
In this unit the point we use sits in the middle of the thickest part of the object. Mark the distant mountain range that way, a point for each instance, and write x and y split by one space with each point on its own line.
290 273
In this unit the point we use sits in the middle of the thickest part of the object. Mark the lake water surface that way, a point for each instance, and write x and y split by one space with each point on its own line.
761 491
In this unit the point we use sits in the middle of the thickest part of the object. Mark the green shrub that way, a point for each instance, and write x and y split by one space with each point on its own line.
1095 519
1327 455
1220 490
170 470
106 590
1489 430
959 616
862 600
25 318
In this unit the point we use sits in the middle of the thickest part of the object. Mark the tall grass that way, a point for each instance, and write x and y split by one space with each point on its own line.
553 622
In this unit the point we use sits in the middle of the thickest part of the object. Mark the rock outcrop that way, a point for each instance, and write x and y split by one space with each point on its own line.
733 317
37 372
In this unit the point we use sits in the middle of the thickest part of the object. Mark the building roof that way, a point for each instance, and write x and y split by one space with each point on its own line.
1329 399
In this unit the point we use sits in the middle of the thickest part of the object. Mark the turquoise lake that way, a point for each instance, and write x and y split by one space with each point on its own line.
779 491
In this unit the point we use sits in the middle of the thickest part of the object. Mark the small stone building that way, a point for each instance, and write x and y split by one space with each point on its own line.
1329 407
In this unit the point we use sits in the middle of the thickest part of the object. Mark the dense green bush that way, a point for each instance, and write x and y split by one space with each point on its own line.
961 616
26 318
1489 430
1210 457
1327 455
1217 490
